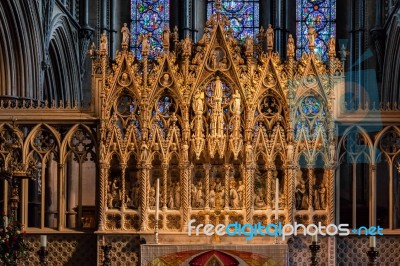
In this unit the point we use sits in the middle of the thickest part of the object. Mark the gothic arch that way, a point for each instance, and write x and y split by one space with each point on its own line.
62 78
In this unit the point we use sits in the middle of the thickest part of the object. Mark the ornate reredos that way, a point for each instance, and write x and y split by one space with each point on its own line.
222 102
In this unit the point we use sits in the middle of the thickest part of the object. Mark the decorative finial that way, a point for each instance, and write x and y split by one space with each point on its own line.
218 6
125 36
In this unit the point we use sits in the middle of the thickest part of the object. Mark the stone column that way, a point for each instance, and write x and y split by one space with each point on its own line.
71 193
331 194
185 179
61 197
144 180
310 188
103 194
290 193
269 189
249 193
164 191
372 193
227 172
123 187
207 168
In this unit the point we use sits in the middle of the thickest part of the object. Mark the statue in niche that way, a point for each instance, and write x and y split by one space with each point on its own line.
135 195
223 64
214 59
236 103
170 201
199 196
259 199
270 38
290 46
114 194
249 152
219 197
193 194
125 35
198 103
166 81
218 93
240 192
212 197
177 195
311 35
301 198
144 151
319 190
233 196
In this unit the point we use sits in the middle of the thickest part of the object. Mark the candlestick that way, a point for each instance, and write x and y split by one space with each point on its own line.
157 210
5 221
372 242
276 199
315 238
43 241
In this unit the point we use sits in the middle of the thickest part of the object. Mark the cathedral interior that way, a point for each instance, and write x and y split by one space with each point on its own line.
125 125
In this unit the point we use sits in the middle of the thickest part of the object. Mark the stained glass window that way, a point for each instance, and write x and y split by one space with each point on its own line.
321 14
148 16
243 16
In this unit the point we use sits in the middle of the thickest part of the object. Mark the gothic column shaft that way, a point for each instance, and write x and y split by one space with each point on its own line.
164 167
372 218
123 186
144 180
290 194
249 194
310 188
331 195
103 193
269 189
227 171
185 179
61 197
207 168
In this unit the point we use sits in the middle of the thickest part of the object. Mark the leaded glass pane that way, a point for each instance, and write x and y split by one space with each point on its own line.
321 14
148 16
243 16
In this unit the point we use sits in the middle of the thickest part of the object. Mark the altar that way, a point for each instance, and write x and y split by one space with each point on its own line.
213 255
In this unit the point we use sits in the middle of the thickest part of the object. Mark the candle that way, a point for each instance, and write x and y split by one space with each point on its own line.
43 241
372 242
315 237
5 221
276 199
157 198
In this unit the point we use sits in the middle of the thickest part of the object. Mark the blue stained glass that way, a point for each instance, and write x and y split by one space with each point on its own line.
310 106
165 105
243 16
321 14
148 16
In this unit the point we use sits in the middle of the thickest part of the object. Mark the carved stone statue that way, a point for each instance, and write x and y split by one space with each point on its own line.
198 103
236 103
218 90
125 35
301 199
103 43
177 195
270 38
311 35
144 38
240 192
165 37
322 196
214 59
249 46
290 46
211 196
332 47
170 201
249 152
187 46
152 197
144 152
233 197
259 199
